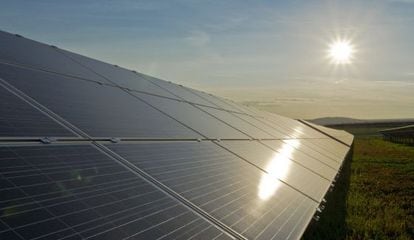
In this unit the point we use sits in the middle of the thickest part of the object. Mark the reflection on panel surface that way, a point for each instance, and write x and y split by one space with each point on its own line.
76 192
217 102
263 180
294 127
224 186
279 165
339 134
328 147
277 131
179 91
193 117
27 52
19 119
237 123
305 157
119 76
98 110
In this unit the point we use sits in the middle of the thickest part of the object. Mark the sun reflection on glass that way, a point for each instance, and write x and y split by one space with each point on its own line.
277 168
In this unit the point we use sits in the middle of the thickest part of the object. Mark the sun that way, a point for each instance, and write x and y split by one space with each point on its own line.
341 52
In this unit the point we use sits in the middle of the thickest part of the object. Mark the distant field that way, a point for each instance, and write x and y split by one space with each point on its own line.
375 197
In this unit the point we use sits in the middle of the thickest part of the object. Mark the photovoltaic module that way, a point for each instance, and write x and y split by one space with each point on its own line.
90 150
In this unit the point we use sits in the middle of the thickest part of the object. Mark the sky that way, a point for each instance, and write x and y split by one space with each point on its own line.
269 54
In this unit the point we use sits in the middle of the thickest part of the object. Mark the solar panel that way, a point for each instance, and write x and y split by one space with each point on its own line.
277 132
238 123
216 102
331 148
279 164
21 51
338 134
306 157
89 150
77 192
180 91
98 110
196 119
243 197
296 128
119 76
19 119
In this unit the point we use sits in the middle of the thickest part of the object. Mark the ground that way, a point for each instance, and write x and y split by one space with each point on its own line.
374 198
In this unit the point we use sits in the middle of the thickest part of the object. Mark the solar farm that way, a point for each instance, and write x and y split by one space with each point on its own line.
90 150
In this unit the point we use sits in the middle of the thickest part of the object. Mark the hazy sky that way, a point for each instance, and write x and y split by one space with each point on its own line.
270 52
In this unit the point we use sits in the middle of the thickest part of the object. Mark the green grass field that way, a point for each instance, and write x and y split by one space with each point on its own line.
374 198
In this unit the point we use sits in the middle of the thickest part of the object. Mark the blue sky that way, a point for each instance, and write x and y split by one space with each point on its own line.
272 53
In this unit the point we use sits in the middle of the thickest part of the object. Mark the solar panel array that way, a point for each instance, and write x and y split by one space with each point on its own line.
90 150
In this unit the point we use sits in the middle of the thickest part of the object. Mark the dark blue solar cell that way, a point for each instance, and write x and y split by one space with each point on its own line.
98 110
179 91
23 51
19 119
86 195
248 200
119 76
205 124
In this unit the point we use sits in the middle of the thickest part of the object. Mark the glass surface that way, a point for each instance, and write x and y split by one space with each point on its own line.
119 76
27 52
315 149
243 108
236 122
233 191
179 91
339 134
294 127
276 131
77 192
19 119
302 155
277 125
279 165
98 110
216 101
196 119
331 146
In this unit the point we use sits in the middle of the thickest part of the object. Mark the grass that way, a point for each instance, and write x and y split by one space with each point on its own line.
374 198
380 201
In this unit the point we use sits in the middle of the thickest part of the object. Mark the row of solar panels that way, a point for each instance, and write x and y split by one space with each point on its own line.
108 108
105 111
137 157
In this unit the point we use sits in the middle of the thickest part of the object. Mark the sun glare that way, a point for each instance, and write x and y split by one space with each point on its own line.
341 52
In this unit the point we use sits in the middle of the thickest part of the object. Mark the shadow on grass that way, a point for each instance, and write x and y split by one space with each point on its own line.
331 224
